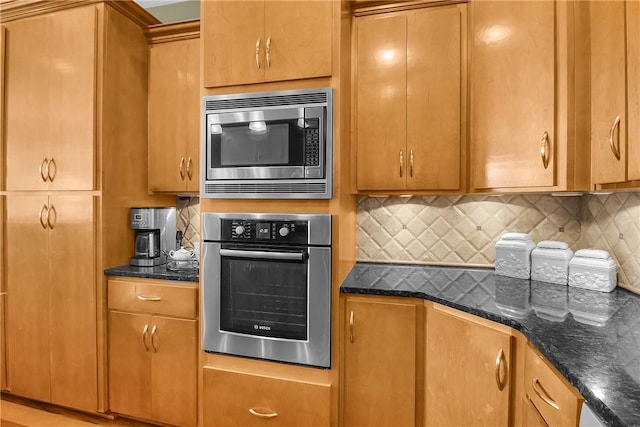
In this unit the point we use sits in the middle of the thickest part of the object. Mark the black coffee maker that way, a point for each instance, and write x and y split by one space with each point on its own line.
155 235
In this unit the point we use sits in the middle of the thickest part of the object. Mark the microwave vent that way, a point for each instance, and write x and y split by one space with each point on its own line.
291 190
300 99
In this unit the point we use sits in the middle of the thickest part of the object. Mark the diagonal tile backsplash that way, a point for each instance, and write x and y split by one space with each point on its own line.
462 230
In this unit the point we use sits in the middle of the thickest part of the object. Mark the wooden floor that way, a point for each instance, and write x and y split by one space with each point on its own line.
17 412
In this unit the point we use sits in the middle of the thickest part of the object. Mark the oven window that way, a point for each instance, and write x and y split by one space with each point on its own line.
264 297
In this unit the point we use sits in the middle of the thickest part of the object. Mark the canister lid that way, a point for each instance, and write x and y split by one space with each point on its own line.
516 236
553 244
592 253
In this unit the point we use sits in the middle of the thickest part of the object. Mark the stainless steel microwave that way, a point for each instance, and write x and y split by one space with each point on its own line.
272 145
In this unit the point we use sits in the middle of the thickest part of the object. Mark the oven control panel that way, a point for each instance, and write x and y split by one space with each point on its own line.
251 230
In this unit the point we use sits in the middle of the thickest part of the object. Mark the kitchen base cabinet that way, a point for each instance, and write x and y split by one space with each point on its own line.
152 356
240 399
468 370
380 362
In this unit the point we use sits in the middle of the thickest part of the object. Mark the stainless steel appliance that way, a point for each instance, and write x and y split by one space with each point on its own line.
266 286
155 235
268 145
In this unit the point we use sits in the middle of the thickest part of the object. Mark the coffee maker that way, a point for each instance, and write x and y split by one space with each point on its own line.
155 235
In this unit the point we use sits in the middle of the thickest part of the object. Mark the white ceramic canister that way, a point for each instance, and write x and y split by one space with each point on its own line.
513 255
550 262
593 269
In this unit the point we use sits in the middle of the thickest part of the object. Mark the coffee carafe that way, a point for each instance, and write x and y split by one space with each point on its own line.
155 235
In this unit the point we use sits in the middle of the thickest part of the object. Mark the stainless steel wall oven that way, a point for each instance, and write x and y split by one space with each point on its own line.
266 286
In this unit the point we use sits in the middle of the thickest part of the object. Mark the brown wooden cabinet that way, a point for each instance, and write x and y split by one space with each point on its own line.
527 88
549 398
50 93
468 370
174 115
152 351
615 56
380 357
410 91
51 314
263 41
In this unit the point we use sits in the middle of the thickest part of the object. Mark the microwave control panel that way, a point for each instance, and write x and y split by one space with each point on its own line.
265 231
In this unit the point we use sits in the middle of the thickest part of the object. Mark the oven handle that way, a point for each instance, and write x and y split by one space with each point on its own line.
295 256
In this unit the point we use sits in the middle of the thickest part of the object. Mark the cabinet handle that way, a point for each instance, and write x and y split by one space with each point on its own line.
258 52
411 163
351 327
499 361
44 169
143 298
615 148
544 149
189 172
268 49
537 387
182 168
263 413
51 176
55 217
401 163
153 335
144 337
43 222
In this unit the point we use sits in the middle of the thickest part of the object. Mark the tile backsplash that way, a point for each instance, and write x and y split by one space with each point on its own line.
188 219
462 230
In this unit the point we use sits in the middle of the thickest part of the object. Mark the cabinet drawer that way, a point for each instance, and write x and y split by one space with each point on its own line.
553 397
156 298
239 399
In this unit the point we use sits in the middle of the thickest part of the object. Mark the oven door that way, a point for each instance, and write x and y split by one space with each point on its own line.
267 303
279 143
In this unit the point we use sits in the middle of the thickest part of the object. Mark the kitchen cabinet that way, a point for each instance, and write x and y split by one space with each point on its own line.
410 91
265 41
174 116
527 81
153 344
550 400
234 398
615 59
380 362
3 292
50 63
468 370
50 321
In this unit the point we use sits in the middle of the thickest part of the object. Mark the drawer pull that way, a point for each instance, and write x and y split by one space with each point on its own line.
144 337
537 387
351 327
544 149
615 148
153 335
499 360
143 298
263 413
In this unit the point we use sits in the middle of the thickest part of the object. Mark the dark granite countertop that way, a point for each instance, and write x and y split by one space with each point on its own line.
592 338
157 272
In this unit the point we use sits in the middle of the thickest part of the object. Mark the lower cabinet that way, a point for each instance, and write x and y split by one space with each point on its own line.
380 363
153 353
240 399
467 373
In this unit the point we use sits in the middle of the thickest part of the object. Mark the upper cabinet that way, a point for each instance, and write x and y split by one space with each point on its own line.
262 41
174 115
50 76
527 129
615 81
409 100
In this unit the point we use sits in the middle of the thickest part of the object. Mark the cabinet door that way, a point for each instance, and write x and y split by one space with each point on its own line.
27 302
3 369
381 108
174 343
51 64
512 46
130 364
467 373
298 37
633 89
193 129
72 302
380 364
608 92
434 55
233 40
168 116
